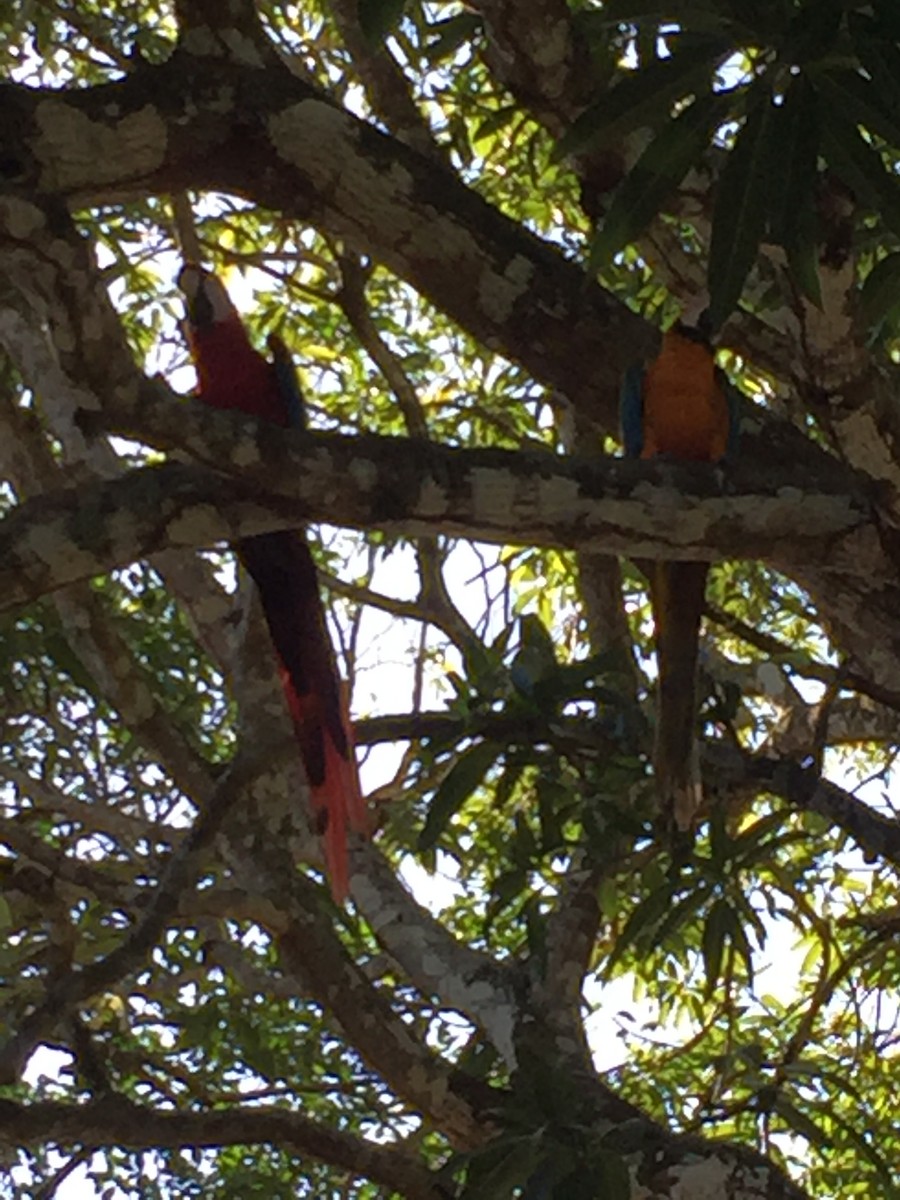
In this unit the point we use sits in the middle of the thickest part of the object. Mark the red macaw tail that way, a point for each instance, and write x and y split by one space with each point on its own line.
285 575
678 591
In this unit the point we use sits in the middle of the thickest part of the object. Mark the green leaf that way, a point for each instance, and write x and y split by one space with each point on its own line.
645 918
506 784
852 95
451 34
793 182
879 300
378 17
813 31
464 777
611 1177
677 916
662 166
800 1122
501 1168
715 932
494 122
739 217
642 98
861 168
551 797
506 888
879 57
739 939
803 259
524 847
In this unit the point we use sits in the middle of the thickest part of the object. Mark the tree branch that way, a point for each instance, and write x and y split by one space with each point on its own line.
117 1121
77 985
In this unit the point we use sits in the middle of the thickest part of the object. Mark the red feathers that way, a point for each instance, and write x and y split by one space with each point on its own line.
232 374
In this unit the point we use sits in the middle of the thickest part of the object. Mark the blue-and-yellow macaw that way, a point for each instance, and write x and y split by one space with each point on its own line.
232 374
679 406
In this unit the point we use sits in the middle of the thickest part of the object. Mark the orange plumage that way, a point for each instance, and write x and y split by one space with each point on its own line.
677 407
685 411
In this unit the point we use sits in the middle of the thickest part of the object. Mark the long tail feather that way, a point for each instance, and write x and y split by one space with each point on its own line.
284 572
678 592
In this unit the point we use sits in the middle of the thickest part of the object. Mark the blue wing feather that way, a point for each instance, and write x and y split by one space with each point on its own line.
631 410
733 400
288 384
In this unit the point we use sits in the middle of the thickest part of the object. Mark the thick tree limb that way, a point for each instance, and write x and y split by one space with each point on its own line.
263 134
117 1121
652 509
311 951
435 961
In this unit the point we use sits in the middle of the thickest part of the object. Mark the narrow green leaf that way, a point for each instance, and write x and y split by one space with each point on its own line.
611 1177
856 98
801 1123
738 935
452 33
677 916
524 846
378 17
499 1170
879 57
495 121
754 841
461 781
549 797
879 300
861 168
739 217
886 1167
645 917
715 932
792 181
813 31
641 98
803 259
506 888
662 166
506 784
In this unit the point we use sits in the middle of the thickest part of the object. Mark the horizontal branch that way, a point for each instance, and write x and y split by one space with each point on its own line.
651 510
116 1121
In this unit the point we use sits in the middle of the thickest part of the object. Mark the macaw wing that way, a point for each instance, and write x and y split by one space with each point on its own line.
285 575
631 410
287 381
733 399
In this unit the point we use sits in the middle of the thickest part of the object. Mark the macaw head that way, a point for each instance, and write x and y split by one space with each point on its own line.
206 301
699 334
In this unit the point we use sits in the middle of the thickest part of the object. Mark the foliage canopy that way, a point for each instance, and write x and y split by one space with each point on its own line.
466 221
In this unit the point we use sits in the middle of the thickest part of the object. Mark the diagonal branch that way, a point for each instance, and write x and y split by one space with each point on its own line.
435 961
315 955
78 985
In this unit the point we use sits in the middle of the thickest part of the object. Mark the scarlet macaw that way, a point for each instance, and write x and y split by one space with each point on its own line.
232 374
678 406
